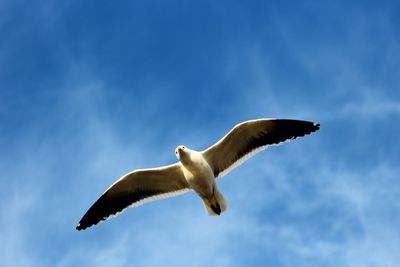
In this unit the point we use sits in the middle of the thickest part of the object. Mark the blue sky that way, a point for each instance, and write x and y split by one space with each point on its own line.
90 90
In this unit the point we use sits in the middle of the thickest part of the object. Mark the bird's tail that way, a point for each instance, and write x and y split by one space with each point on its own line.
216 204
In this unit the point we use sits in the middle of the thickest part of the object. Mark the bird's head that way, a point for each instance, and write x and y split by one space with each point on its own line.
180 151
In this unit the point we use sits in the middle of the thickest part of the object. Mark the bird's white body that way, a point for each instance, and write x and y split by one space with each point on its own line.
200 177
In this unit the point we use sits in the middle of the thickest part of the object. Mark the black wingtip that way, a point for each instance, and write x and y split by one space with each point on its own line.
79 227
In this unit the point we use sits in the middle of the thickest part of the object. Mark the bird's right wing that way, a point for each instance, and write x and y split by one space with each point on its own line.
136 188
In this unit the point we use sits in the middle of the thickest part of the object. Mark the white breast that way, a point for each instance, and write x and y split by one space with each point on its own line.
198 173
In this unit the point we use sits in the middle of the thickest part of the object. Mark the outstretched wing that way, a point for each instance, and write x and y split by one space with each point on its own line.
136 188
248 138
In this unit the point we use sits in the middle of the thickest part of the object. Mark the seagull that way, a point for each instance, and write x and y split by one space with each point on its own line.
195 170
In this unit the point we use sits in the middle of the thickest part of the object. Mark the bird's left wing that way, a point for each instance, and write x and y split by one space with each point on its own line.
136 188
250 137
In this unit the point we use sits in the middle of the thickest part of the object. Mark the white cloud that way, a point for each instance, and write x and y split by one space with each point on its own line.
110 253
372 105
16 209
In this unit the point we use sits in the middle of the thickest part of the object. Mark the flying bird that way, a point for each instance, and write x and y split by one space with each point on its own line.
195 170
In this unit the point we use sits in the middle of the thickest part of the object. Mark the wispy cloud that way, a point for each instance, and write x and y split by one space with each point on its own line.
14 227
372 105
